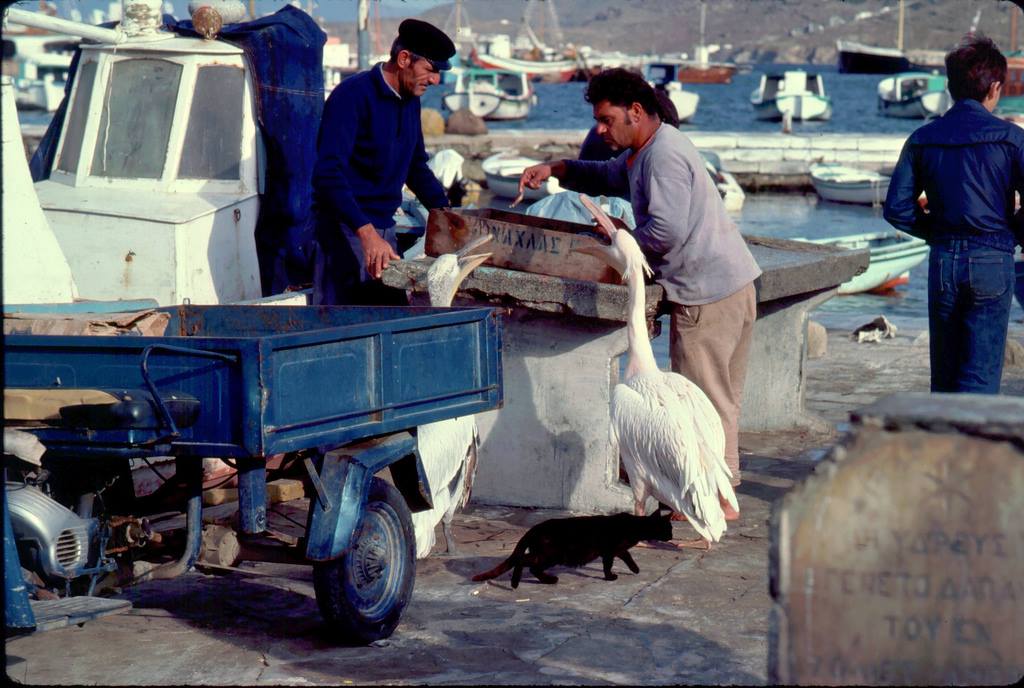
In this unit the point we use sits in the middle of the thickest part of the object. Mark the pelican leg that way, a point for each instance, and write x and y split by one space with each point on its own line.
730 513
449 539
699 543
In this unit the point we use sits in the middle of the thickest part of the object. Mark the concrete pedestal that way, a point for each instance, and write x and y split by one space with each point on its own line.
549 445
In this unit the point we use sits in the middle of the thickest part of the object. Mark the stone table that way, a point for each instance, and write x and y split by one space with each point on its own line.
549 445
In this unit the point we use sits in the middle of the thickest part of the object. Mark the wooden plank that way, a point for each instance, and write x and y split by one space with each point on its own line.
521 242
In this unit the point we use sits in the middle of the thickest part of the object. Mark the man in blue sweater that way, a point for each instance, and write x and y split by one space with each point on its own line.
370 144
969 163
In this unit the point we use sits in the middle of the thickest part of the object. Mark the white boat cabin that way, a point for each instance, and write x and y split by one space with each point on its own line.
153 190
796 82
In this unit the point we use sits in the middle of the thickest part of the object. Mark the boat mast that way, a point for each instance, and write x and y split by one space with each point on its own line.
1013 28
363 34
899 30
702 51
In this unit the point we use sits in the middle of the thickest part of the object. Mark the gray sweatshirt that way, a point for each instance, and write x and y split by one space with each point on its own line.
695 249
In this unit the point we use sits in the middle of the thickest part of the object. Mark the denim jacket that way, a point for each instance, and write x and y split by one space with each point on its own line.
969 163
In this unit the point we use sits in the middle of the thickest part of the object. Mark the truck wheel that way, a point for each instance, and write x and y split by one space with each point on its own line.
363 593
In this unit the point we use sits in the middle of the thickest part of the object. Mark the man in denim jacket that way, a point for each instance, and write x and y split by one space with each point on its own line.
969 163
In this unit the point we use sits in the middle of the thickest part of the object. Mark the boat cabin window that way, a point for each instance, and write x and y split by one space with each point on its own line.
72 149
213 141
511 84
660 74
813 84
135 125
771 86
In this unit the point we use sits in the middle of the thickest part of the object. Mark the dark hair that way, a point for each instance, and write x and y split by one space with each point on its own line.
973 66
667 112
622 87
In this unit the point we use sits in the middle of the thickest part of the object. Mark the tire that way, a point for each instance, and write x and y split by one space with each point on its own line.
363 593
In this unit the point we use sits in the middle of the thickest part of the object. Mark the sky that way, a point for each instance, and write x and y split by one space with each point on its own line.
330 10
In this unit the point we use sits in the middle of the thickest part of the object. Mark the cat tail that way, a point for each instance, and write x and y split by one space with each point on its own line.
504 566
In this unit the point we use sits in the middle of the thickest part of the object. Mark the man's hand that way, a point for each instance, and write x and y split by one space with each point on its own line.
534 176
376 251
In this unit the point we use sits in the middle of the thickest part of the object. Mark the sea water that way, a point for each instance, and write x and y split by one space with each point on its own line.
722 107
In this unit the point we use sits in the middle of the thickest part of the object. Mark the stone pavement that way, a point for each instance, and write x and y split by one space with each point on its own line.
688 617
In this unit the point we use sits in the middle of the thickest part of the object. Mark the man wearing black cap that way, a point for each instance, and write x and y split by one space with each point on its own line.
370 144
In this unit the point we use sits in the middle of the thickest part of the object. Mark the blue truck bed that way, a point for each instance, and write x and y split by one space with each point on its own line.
286 378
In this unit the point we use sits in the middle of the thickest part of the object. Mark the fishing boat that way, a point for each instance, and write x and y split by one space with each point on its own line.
857 58
730 190
793 93
664 76
503 171
893 255
913 95
552 71
701 70
491 94
843 184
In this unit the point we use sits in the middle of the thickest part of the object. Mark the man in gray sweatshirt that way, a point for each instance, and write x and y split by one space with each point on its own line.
695 249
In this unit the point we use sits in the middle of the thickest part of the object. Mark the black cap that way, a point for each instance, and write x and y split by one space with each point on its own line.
426 40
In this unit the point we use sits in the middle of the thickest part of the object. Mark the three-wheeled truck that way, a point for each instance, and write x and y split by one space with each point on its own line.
176 160
347 386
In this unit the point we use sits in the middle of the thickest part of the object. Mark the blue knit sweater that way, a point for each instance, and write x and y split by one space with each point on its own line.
370 143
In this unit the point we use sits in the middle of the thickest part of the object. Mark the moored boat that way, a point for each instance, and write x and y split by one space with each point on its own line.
793 93
664 76
537 70
913 95
893 255
857 58
843 184
491 94
503 170
730 190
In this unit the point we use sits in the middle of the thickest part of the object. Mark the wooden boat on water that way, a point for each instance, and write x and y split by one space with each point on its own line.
551 71
913 95
893 255
857 58
732 193
492 94
503 170
842 184
664 76
794 93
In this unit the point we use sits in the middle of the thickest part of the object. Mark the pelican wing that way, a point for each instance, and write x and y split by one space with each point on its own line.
444 447
667 441
711 434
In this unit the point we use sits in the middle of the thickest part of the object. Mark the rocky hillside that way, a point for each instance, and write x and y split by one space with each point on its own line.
744 30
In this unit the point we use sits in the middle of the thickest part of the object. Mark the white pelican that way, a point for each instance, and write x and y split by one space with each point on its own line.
447 447
669 434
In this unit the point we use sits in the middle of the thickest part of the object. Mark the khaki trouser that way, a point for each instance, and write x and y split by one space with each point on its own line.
709 345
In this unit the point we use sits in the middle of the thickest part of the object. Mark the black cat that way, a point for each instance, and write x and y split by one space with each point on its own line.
579 541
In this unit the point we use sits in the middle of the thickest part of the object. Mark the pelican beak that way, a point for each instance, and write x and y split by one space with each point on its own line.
472 245
468 263
605 254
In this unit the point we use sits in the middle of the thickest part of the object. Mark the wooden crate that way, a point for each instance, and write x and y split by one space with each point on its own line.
521 242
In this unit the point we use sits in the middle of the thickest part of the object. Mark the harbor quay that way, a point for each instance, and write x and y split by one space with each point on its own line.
773 161
688 616
758 161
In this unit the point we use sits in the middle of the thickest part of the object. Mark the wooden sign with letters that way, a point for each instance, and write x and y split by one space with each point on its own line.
901 561
520 242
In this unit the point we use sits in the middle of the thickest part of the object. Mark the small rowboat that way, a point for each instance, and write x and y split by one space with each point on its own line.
893 255
842 184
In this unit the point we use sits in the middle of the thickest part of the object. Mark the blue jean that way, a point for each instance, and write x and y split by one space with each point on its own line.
969 292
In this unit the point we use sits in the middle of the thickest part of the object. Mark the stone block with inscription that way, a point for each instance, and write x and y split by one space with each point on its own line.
901 559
